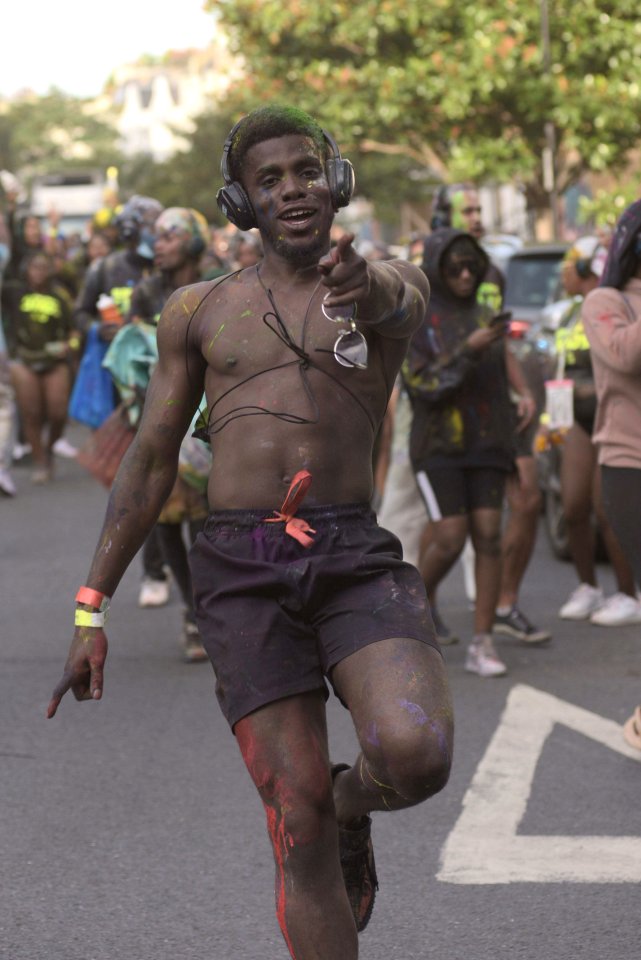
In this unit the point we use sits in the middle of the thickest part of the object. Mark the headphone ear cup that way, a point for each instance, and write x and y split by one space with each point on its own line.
439 220
582 267
196 247
443 200
341 180
441 209
128 228
234 204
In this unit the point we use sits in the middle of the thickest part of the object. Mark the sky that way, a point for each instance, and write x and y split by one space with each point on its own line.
75 44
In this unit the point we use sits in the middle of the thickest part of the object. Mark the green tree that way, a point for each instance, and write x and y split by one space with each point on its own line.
464 90
52 133
606 206
389 180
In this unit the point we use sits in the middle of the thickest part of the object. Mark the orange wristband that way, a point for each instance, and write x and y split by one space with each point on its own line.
93 598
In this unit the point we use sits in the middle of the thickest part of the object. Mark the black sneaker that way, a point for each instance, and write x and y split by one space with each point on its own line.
357 864
516 624
193 649
443 633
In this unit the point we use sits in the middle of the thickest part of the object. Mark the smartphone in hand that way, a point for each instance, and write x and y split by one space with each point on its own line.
501 319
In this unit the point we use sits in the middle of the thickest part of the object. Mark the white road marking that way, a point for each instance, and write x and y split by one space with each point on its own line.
484 846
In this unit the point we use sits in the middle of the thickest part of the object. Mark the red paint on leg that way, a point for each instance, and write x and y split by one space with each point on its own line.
280 843
263 777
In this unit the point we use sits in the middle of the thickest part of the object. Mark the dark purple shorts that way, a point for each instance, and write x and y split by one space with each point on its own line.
275 617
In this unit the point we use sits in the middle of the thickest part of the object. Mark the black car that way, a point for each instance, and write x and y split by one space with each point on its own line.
533 281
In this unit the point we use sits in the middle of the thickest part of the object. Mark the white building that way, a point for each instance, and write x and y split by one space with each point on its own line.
155 100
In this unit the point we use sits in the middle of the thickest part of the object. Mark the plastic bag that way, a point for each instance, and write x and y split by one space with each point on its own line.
130 359
195 454
92 397
194 463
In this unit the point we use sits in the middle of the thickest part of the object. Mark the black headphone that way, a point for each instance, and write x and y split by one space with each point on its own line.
441 209
234 203
442 204
196 245
128 221
583 265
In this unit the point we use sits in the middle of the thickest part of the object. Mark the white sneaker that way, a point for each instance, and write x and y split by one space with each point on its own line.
153 593
7 486
20 451
583 602
483 660
617 610
62 448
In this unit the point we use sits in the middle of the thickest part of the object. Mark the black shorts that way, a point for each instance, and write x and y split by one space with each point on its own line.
275 616
586 422
524 440
457 490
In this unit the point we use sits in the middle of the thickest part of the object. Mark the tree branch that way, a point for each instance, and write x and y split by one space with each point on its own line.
425 156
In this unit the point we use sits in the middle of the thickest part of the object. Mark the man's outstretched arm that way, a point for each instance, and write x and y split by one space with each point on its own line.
142 484
391 296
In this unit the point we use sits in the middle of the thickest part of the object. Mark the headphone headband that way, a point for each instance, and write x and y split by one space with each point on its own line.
234 203
224 160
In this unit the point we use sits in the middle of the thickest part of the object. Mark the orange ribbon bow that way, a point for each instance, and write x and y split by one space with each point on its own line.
295 526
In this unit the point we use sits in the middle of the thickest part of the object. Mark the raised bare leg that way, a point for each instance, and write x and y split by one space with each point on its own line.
398 695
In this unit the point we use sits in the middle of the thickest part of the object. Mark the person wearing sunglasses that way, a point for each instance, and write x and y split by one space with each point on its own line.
458 374
295 584
458 205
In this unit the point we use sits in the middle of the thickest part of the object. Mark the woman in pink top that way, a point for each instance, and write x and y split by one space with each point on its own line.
612 321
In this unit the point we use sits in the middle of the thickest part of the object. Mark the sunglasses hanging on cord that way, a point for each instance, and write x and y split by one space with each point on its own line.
350 347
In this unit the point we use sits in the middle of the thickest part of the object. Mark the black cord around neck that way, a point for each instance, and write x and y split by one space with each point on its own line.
304 362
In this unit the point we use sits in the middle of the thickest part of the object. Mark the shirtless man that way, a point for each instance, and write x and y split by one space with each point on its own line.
288 597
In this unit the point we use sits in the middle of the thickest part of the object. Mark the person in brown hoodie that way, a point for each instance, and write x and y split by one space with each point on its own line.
612 320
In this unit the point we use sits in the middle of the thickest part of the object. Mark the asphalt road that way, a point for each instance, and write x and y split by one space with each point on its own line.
129 829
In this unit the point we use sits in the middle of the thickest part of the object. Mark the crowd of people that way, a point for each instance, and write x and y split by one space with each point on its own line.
54 320
433 404
50 283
